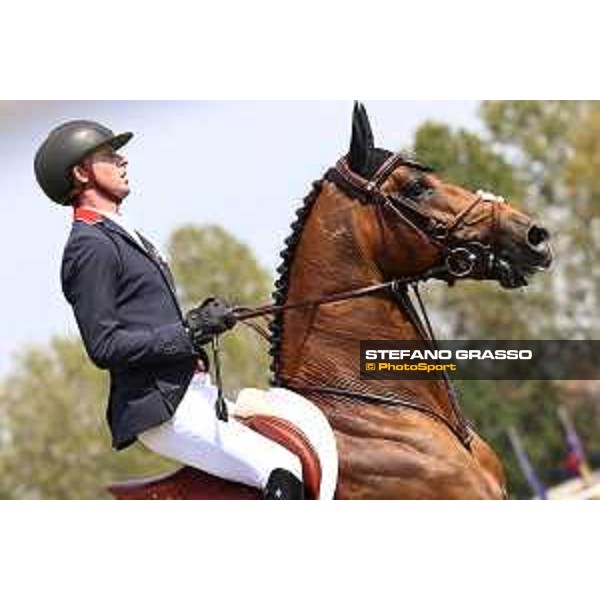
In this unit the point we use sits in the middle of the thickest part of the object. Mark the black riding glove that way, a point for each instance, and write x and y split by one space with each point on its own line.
213 317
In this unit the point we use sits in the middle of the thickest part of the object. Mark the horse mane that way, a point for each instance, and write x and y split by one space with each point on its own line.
282 283
377 158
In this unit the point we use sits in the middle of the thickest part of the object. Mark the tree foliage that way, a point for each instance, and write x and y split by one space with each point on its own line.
466 159
555 150
55 442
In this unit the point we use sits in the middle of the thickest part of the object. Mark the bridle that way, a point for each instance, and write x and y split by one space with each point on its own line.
459 259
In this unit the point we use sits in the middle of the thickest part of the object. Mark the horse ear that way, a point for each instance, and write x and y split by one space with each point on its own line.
362 140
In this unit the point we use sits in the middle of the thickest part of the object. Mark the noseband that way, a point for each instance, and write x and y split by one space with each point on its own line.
460 258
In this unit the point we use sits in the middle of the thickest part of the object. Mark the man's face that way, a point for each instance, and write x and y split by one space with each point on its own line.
109 169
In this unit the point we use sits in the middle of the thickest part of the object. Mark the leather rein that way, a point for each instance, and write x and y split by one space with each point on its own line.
460 258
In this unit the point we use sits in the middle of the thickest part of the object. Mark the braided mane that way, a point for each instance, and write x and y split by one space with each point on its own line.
283 282
279 296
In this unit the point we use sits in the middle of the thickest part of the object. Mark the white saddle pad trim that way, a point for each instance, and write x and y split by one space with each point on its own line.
285 404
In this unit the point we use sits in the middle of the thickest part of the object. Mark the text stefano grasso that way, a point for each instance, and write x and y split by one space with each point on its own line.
497 354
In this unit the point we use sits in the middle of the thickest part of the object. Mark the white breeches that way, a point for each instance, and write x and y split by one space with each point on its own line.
230 450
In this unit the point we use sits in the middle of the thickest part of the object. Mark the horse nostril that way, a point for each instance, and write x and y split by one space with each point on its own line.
536 236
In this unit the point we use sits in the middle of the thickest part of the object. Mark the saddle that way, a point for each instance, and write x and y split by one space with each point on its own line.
281 415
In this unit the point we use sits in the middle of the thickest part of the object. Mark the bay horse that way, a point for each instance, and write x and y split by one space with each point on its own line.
375 218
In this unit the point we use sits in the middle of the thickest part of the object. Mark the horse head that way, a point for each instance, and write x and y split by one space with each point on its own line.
460 233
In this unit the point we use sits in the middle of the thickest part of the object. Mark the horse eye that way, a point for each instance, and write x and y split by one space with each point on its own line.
415 189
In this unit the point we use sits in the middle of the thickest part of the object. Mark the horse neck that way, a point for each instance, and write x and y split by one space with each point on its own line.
320 346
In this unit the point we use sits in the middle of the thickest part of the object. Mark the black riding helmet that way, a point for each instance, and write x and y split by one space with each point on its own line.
65 147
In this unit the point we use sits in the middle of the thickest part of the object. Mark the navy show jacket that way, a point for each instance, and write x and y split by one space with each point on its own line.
126 307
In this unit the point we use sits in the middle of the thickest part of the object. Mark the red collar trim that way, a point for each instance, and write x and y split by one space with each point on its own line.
91 217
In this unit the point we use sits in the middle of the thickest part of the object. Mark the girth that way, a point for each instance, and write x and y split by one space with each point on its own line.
462 433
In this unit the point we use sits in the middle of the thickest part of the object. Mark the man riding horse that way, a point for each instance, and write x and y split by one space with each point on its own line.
124 300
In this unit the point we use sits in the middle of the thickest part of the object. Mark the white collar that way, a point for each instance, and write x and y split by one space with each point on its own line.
122 222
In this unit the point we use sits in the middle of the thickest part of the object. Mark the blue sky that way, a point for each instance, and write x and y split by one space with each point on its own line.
243 165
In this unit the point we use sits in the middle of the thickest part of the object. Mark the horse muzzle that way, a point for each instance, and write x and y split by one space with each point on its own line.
529 253
538 242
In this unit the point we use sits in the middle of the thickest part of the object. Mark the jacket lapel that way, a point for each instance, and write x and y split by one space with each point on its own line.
110 224
148 250
158 259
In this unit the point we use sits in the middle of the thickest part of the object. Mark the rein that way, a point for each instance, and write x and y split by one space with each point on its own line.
460 259
394 285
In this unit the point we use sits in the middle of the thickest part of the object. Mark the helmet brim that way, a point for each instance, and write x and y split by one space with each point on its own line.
119 140
115 142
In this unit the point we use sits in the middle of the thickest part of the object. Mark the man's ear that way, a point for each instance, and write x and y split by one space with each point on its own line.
80 174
